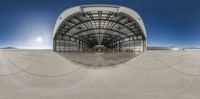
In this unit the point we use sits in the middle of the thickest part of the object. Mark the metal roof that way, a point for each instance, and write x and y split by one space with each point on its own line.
100 24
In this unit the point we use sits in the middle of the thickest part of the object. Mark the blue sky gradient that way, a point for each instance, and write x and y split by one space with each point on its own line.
168 22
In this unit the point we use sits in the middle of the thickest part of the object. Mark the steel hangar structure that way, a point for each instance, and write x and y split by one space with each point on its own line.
99 27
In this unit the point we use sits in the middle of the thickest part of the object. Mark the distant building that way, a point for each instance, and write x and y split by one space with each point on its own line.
191 49
162 48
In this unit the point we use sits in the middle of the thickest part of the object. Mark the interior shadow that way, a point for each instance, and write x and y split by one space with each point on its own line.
99 59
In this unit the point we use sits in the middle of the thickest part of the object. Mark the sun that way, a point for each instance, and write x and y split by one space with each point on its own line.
39 39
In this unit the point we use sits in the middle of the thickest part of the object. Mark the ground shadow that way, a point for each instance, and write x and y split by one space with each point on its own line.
99 59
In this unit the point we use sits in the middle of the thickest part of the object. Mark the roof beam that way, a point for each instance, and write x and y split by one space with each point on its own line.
100 29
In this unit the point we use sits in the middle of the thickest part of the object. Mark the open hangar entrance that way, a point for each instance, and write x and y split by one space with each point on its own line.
99 35
99 28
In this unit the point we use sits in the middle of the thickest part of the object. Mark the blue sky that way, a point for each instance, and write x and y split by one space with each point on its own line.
29 23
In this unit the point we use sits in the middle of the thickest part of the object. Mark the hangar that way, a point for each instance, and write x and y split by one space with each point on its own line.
99 27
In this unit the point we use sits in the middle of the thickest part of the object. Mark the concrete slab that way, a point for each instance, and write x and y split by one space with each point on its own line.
42 74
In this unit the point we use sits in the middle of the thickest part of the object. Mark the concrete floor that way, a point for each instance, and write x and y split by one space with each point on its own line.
26 74
99 59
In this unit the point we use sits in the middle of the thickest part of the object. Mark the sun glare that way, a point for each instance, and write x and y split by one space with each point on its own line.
39 39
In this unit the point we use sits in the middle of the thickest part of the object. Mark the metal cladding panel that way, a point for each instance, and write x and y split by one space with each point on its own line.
135 16
63 16
110 9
